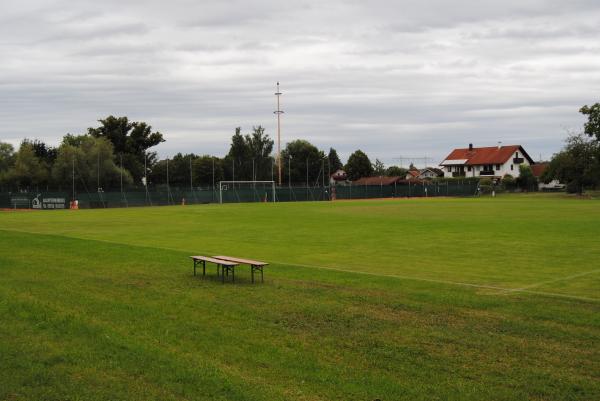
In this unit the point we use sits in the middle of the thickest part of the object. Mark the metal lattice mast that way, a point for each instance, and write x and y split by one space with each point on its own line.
278 112
419 160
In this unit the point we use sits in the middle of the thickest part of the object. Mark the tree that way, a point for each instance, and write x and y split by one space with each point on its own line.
260 147
378 168
592 126
93 162
178 168
203 171
237 157
7 158
358 166
526 180
7 154
295 158
131 140
28 170
42 151
335 163
395 171
250 154
577 165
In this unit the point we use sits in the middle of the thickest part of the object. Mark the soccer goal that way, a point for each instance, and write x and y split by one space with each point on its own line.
247 191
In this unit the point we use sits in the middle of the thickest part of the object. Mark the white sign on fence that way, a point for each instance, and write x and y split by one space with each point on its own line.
48 203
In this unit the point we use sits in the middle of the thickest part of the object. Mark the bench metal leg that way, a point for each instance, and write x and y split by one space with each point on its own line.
204 268
194 267
232 274
223 274
262 278
252 273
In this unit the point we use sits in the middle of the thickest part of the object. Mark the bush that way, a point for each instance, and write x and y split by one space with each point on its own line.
485 182
526 180
509 183
486 189
573 187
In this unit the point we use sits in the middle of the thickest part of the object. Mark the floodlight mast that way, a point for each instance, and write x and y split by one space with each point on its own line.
279 112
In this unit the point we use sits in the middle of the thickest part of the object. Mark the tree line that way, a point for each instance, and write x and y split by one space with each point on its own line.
578 164
117 154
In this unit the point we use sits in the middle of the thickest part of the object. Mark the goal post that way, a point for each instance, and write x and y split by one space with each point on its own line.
225 186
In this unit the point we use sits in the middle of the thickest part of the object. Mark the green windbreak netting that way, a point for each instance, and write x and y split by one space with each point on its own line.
60 200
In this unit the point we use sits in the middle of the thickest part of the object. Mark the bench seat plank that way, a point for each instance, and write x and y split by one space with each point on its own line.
242 261
215 260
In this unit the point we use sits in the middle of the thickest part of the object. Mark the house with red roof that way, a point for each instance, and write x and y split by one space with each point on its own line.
339 177
412 174
490 162
426 173
538 170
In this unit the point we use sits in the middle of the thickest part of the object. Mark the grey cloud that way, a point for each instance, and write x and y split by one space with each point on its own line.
392 78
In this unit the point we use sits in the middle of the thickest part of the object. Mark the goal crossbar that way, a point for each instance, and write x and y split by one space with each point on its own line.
221 183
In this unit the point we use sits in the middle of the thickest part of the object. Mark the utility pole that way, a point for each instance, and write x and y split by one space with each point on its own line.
146 178
323 172
121 171
168 187
278 112
98 176
73 176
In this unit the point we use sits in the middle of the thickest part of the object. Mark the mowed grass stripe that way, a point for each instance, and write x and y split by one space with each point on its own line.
93 320
505 291
507 242
526 289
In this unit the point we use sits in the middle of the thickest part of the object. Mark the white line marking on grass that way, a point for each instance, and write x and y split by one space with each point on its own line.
397 276
566 296
429 280
527 287
447 282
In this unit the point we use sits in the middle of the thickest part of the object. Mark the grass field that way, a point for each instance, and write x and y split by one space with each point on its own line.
425 299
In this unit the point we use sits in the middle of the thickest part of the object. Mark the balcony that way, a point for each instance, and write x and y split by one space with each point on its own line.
518 160
486 172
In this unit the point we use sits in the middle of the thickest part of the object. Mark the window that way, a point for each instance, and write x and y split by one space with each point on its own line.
517 155
469 168
497 167
449 169
511 167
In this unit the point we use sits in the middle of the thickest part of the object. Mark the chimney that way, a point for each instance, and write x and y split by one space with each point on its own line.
470 147
499 144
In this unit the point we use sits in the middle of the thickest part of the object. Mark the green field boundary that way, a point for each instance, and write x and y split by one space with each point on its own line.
498 290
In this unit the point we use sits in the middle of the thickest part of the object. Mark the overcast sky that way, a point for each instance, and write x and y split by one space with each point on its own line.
393 78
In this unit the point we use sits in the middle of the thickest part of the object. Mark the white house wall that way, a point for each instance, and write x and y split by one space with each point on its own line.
504 168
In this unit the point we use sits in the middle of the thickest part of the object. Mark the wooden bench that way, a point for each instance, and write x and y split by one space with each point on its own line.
225 266
254 265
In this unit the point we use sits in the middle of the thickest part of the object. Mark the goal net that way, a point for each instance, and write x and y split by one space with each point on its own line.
246 191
